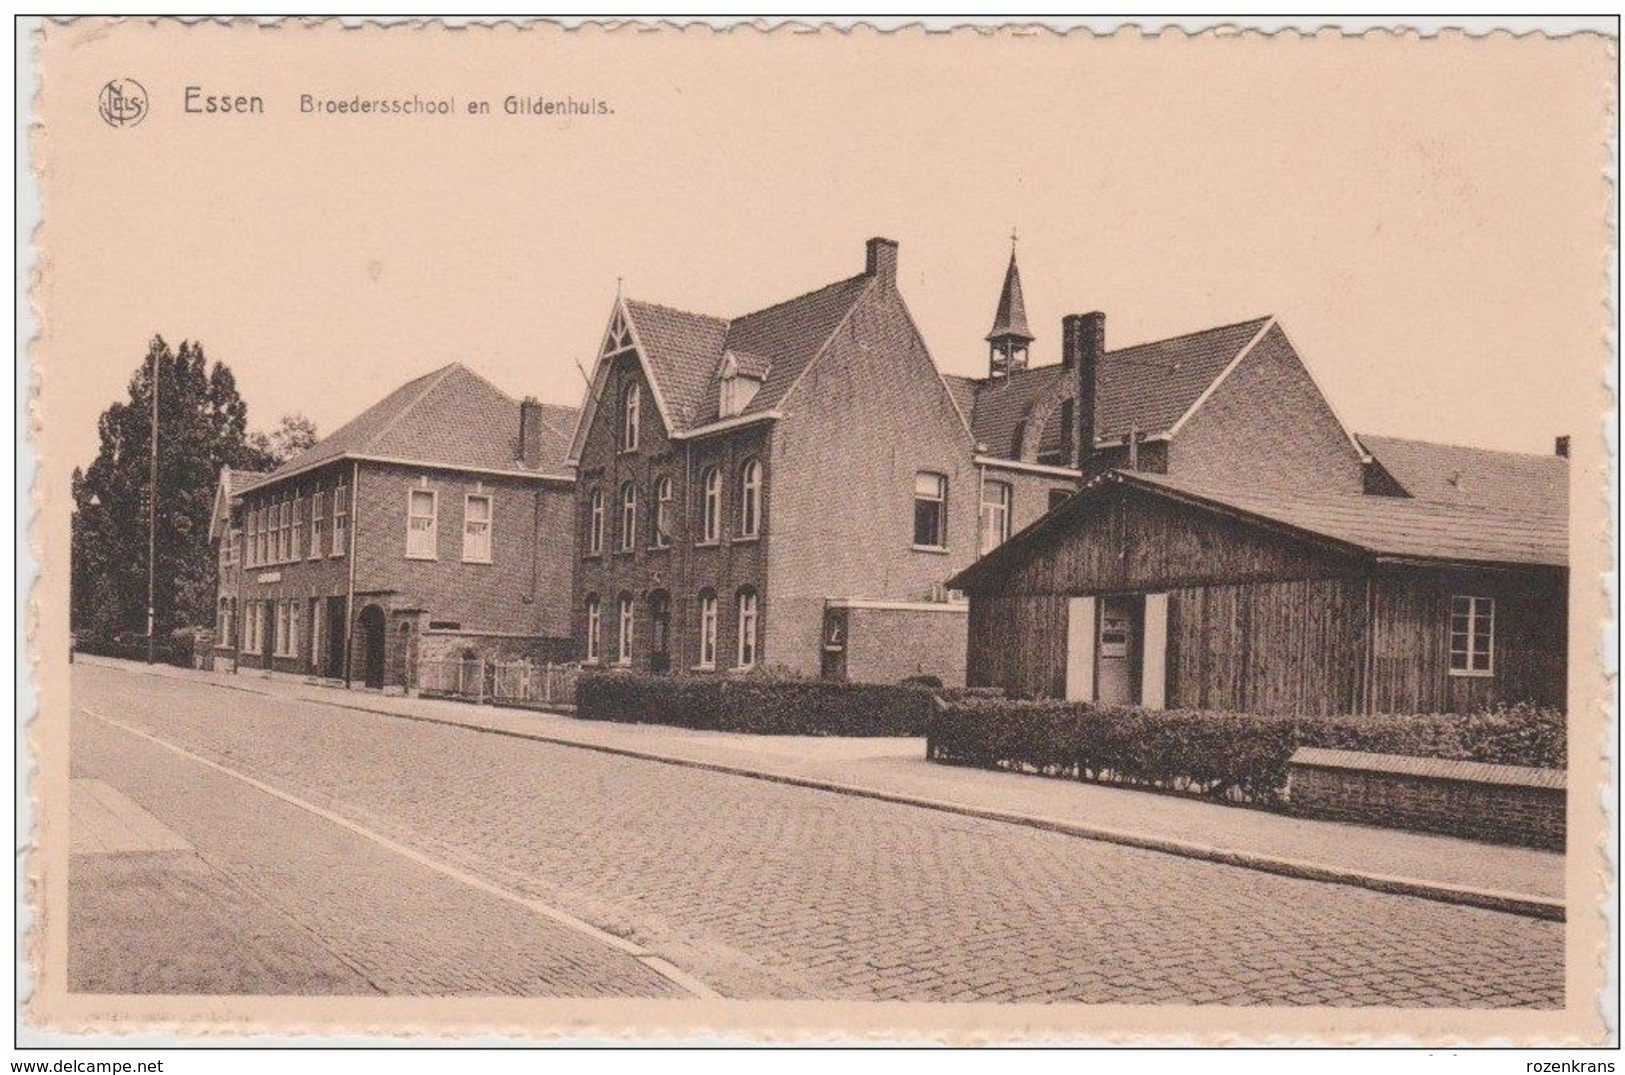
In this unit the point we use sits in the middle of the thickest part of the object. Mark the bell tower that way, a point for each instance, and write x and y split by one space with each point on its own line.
1009 338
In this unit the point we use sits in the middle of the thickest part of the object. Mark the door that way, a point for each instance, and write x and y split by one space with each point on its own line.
335 637
1118 649
372 646
660 631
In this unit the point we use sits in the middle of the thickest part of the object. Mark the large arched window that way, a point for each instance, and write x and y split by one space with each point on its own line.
711 506
750 499
631 413
662 522
708 629
594 626
595 521
745 657
623 630
629 517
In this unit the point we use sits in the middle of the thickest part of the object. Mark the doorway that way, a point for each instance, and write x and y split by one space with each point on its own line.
660 631
335 638
372 646
1118 648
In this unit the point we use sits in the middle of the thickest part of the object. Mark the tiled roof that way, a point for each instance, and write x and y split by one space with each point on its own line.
1454 474
1146 388
451 417
1391 526
1383 527
684 350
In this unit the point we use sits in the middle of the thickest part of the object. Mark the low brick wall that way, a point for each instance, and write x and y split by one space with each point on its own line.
1504 804
889 642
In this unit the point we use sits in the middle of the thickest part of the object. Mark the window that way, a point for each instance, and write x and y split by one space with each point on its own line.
318 502
708 629
420 525
281 627
593 626
288 637
662 534
275 531
996 498
750 499
477 528
251 529
930 511
1472 636
296 538
250 627
595 522
631 411
711 506
284 530
623 631
341 520
629 517
746 656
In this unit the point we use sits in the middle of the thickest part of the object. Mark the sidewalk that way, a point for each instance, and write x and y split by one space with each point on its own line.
1520 880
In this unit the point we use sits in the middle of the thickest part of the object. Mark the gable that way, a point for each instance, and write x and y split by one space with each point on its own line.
1116 536
1267 421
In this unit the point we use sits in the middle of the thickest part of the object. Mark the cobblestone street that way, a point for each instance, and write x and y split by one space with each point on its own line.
330 850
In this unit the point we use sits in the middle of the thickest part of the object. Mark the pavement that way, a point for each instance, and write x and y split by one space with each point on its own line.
1521 880
263 839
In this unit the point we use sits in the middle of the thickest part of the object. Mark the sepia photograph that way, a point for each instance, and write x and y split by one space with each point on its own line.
989 536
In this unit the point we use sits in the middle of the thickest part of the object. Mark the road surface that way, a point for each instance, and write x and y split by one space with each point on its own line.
225 842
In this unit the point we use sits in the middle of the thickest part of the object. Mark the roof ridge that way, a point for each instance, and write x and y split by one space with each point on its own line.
1196 332
674 309
797 298
1466 447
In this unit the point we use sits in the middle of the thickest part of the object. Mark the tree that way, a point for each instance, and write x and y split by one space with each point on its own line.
202 426
294 434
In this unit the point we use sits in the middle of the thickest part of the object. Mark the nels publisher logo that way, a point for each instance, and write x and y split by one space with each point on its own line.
123 102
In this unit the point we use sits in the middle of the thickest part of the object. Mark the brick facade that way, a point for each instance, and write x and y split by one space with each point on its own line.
382 599
869 415
1497 803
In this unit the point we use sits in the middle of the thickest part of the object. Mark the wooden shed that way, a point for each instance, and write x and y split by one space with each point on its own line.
1148 590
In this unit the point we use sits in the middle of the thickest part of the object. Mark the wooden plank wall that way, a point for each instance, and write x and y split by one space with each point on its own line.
1411 640
1273 647
1018 642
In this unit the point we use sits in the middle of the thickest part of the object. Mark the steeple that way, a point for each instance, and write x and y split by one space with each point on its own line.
1009 337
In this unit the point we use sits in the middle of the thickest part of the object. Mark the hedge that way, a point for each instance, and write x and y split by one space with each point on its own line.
165 650
760 705
1236 756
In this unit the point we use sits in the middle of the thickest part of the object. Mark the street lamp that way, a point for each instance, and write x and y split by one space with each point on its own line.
152 517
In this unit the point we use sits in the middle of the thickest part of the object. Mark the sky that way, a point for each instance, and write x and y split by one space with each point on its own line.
1425 217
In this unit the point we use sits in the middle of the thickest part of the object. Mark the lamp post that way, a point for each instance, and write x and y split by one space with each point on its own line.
152 518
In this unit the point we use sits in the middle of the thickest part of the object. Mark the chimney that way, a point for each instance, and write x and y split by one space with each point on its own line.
1563 446
1083 343
530 432
882 260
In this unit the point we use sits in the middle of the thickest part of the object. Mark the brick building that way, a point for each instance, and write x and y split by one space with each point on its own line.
795 486
437 522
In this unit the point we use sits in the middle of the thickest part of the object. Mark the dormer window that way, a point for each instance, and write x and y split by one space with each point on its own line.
740 381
